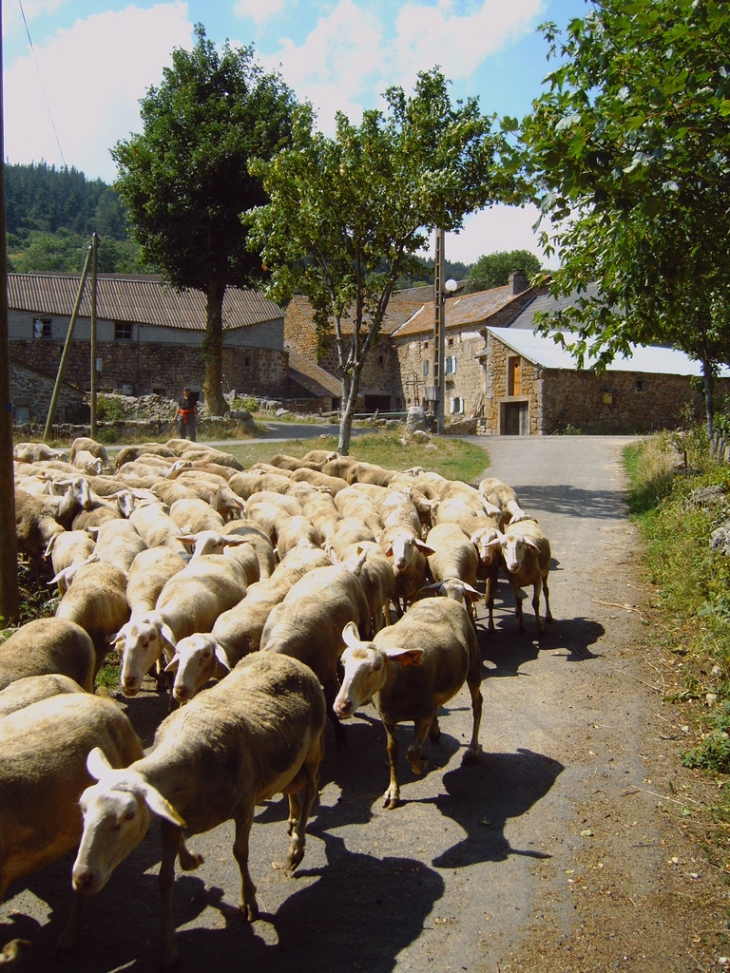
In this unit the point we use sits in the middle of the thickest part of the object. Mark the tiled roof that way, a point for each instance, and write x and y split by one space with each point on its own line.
469 310
651 359
142 300
313 378
398 312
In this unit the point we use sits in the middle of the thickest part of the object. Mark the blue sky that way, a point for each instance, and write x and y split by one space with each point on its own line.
75 93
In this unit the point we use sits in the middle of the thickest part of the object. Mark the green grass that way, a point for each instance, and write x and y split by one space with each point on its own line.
450 456
692 580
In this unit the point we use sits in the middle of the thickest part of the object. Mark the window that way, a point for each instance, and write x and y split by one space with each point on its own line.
123 331
514 376
457 406
425 346
450 365
42 328
425 369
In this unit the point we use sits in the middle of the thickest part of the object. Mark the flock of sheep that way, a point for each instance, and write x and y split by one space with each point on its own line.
301 589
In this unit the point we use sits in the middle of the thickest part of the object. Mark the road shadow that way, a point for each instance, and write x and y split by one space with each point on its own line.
570 501
345 920
508 785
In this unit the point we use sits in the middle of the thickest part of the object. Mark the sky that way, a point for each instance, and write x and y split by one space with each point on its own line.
74 71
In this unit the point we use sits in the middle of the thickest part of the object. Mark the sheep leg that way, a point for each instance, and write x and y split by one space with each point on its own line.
69 937
331 687
248 905
548 615
473 681
536 605
518 605
300 803
171 838
413 753
187 859
391 798
434 731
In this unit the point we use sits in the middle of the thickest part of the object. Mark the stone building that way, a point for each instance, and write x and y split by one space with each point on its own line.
148 335
466 316
532 387
32 391
401 369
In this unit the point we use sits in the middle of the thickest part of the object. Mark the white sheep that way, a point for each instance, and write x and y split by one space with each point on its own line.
118 542
43 774
190 601
453 565
97 601
526 555
48 646
308 623
68 551
409 670
30 689
256 734
503 496
410 564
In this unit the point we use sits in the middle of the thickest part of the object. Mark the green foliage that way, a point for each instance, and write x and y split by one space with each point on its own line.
109 409
628 153
45 199
37 252
186 179
494 269
348 214
713 751
692 579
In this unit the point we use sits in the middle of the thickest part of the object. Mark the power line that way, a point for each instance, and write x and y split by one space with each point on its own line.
40 79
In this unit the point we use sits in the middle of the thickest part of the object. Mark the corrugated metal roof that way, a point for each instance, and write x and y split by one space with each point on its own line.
648 359
142 300
468 310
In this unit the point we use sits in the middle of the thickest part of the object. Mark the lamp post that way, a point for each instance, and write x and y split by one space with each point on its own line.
441 289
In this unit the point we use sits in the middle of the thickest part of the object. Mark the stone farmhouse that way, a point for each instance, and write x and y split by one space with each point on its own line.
401 370
148 338
532 387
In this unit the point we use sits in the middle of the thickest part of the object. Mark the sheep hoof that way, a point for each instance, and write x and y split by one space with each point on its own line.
471 756
249 913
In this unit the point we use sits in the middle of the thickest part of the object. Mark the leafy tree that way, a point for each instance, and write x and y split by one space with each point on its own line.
494 269
185 179
348 213
629 154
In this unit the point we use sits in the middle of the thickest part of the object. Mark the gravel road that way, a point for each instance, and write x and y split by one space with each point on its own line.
565 849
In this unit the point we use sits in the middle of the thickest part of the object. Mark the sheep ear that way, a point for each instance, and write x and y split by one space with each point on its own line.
424 548
187 539
97 764
222 658
350 635
532 545
174 664
167 634
160 806
404 657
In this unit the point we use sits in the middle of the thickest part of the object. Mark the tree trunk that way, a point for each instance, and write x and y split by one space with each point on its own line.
709 398
212 349
350 389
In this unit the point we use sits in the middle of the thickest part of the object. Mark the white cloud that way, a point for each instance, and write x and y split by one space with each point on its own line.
459 43
348 58
338 63
259 10
93 76
499 228
13 19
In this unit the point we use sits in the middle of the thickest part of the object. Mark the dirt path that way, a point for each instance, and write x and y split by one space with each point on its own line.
567 849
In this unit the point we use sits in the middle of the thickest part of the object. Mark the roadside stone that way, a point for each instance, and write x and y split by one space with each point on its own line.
720 539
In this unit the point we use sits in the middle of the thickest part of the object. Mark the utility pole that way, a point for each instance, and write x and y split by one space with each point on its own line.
439 328
9 588
94 362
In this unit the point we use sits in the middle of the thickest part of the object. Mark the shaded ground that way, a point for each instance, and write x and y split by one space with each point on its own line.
569 848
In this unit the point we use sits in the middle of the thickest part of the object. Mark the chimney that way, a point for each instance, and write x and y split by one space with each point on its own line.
518 281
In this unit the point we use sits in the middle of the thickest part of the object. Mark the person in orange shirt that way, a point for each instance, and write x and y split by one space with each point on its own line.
186 415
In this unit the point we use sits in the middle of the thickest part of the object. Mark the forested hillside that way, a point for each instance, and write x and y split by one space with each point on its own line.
51 214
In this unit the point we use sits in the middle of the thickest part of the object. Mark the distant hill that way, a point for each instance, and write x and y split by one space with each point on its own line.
50 215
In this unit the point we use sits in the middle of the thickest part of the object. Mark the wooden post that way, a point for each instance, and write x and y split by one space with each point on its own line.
9 588
66 349
92 389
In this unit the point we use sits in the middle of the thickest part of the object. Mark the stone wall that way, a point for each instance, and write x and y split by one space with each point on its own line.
615 403
140 369
32 391
465 383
